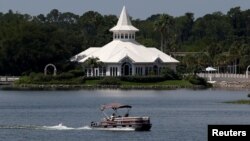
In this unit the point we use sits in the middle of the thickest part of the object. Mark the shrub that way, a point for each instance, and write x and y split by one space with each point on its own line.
64 76
38 77
93 78
32 75
196 80
24 80
169 74
77 73
142 79
78 80
110 81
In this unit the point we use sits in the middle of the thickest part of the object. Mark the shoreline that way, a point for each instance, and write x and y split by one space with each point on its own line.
242 85
230 85
96 87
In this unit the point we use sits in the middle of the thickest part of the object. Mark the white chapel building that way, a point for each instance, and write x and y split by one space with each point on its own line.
124 56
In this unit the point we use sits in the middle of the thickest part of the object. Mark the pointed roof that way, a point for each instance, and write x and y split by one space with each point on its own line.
117 50
124 23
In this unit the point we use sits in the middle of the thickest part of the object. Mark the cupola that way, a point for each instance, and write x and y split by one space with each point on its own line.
124 30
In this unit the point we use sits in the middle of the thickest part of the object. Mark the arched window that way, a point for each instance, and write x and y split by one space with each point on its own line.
126 69
156 70
126 36
133 36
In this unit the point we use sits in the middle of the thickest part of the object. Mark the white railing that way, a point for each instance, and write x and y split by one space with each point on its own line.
222 75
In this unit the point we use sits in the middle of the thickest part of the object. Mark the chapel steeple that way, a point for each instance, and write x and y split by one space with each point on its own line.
124 30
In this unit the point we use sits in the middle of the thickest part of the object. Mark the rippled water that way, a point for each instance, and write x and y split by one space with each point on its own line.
176 115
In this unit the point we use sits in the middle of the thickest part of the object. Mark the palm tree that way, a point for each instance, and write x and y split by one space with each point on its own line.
164 25
190 61
203 59
234 56
221 61
93 62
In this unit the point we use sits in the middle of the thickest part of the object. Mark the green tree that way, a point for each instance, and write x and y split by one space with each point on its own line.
190 61
237 21
53 16
93 62
164 24
214 49
244 56
203 60
184 25
28 43
221 60
212 28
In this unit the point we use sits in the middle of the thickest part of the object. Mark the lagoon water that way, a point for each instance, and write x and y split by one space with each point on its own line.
176 115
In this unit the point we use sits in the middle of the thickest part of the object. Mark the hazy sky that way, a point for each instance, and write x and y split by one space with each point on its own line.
136 8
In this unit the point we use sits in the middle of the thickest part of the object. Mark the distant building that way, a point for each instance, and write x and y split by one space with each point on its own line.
124 56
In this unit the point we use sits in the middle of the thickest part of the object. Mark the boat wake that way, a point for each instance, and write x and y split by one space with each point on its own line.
57 127
61 127
34 127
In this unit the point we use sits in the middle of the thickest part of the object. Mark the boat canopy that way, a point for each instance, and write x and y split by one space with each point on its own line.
114 106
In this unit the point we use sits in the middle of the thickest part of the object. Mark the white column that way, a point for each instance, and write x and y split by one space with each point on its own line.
133 69
108 71
118 70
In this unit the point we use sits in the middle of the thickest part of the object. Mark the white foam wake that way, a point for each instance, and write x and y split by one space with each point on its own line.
63 127
84 128
57 127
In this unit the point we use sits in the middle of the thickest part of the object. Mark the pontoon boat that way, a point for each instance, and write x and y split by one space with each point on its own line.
121 121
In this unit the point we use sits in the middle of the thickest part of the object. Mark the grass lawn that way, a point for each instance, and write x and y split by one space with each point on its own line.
240 102
92 82
169 82
108 82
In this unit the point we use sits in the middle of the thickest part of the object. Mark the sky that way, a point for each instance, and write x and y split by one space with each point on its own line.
138 9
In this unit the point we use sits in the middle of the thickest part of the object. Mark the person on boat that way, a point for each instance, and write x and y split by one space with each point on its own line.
112 116
126 115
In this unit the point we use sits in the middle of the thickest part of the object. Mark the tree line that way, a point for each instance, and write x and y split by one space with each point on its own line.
28 43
